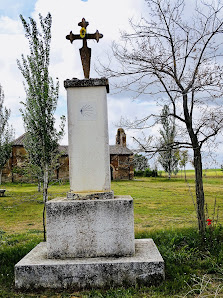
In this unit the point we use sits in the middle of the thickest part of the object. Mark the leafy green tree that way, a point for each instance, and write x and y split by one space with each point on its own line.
6 134
183 159
167 152
140 162
42 138
30 171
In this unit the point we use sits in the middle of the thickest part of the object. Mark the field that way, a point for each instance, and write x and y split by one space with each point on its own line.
164 210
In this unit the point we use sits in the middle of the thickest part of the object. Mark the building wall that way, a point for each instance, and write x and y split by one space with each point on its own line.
121 167
63 170
17 159
12 171
6 172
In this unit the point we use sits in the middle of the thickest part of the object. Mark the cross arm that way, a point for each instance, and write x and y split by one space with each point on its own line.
95 36
71 37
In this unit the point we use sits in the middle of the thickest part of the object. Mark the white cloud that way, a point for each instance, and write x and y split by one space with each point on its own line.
128 109
12 45
106 16
109 17
9 26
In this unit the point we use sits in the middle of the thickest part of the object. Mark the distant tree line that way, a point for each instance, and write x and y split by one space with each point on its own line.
142 168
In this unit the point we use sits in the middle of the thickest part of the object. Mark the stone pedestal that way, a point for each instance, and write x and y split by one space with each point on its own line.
90 233
36 271
90 228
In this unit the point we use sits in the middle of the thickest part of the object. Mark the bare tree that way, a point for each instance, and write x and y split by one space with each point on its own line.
179 62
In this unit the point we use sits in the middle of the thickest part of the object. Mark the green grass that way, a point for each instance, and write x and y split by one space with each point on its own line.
163 203
163 211
214 173
21 208
187 260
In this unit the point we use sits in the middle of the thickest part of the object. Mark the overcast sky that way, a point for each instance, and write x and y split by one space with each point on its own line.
109 17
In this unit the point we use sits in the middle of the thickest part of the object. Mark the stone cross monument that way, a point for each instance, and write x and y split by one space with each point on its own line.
88 127
90 233
85 52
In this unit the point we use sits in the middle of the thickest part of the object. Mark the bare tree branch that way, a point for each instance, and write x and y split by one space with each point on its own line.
180 62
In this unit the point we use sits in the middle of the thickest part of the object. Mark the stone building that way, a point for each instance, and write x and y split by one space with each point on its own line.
121 161
121 158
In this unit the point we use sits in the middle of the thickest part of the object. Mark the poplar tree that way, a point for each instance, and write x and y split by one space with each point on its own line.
140 162
167 152
183 159
42 138
6 134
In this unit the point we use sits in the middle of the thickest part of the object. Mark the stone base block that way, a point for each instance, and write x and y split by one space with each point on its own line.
35 271
90 196
90 228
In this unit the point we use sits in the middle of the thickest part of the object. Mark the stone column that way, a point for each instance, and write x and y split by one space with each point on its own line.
90 222
89 159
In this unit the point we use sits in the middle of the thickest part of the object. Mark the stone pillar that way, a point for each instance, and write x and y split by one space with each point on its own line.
89 160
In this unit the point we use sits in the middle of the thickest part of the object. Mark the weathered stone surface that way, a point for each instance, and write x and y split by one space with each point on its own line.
35 271
108 195
89 158
86 83
90 228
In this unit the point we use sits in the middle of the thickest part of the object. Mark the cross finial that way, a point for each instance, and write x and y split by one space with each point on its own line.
85 52
83 23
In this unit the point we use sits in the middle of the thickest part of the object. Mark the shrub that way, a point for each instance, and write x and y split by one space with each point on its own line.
150 173
138 173
147 173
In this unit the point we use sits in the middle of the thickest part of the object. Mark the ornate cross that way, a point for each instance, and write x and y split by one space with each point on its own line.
85 52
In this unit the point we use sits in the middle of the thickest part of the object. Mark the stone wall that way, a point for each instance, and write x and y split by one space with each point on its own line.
63 170
6 172
12 171
121 161
121 167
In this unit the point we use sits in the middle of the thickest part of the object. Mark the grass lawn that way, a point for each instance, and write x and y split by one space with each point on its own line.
164 210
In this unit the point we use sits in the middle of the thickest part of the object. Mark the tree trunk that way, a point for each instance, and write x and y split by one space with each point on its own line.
199 190
169 170
39 185
45 197
0 176
200 202
185 175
